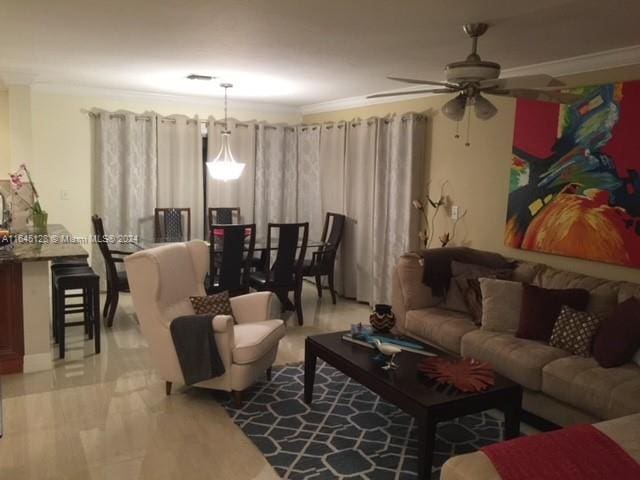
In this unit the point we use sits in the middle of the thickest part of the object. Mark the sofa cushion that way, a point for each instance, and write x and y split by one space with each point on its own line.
215 304
501 304
628 290
473 300
574 331
254 340
415 293
458 285
603 294
519 359
603 392
442 327
541 308
618 339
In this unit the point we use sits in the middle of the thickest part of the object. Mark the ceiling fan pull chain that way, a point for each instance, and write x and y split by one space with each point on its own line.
467 143
457 135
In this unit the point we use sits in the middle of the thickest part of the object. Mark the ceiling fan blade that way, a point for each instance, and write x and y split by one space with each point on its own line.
411 92
423 82
544 96
526 81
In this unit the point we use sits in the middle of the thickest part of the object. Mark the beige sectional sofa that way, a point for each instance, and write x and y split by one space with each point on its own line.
559 387
477 466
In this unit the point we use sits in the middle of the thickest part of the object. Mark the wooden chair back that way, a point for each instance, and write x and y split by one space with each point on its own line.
291 239
224 215
170 224
231 250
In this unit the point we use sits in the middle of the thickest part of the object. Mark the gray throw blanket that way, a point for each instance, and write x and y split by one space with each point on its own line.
195 344
437 265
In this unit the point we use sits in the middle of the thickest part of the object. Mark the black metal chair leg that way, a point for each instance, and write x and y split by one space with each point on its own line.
60 321
319 285
112 308
298 302
95 315
331 287
107 302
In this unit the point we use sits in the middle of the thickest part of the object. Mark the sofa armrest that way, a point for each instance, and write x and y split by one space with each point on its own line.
407 290
252 307
224 335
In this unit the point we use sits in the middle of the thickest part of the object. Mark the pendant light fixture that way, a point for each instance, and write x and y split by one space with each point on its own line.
224 167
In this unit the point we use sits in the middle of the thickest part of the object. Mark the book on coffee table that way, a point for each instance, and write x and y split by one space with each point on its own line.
366 340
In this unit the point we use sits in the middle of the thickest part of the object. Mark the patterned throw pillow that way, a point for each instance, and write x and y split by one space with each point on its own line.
574 331
216 304
473 300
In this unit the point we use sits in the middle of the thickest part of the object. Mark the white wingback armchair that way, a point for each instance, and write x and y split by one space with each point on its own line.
161 281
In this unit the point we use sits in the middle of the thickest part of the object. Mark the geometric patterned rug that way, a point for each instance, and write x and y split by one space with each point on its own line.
348 432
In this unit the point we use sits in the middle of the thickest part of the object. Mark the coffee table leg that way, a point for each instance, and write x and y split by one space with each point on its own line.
426 445
309 373
511 411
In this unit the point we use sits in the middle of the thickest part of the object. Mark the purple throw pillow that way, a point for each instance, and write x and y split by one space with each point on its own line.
618 338
541 308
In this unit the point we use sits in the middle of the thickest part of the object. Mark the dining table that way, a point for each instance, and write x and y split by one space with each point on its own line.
260 244
260 247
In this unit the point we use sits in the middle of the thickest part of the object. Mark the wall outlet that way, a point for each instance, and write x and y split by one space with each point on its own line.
454 212
64 194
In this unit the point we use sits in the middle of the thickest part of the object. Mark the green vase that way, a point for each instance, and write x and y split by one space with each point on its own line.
40 220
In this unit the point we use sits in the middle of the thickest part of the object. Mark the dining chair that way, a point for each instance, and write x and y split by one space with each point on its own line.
323 260
116 279
230 254
169 224
224 215
284 273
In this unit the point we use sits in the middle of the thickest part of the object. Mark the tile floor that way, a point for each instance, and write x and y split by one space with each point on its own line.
107 417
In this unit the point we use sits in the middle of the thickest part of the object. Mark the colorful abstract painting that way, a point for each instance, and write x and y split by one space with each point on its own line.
575 176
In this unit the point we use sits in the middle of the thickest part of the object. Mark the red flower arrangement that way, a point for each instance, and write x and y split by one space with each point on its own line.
467 374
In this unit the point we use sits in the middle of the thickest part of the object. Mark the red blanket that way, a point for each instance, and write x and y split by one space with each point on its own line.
577 453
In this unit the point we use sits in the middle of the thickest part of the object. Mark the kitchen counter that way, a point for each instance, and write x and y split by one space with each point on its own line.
25 296
34 245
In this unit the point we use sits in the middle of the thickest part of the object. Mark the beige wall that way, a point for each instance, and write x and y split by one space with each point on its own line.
478 175
5 162
62 145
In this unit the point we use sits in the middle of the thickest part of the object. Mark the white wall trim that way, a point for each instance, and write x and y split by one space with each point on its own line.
37 362
79 90
619 57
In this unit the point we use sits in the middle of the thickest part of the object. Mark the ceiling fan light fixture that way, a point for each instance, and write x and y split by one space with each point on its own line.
484 108
454 109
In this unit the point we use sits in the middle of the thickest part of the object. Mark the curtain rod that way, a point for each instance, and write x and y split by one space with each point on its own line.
189 120
404 118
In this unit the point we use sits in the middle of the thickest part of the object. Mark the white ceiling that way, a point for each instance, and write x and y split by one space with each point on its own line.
293 52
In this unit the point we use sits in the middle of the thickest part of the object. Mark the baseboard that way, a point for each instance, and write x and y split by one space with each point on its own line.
37 362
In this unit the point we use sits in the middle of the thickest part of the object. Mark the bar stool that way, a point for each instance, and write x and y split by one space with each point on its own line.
76 278
56 266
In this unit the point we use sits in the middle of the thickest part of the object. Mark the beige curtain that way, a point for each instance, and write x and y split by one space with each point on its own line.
309 197
357 243
180 168
276 176
399 173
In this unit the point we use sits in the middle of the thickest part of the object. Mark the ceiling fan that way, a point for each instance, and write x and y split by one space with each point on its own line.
474 77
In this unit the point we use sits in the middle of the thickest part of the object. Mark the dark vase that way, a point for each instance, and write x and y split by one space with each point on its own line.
382 318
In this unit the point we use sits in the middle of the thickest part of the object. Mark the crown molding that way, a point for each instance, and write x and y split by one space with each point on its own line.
591 62
10 78
114 93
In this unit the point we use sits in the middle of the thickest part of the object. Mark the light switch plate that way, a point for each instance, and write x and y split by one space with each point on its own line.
454 212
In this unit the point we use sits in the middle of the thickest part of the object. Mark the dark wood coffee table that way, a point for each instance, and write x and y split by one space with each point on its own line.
407 388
